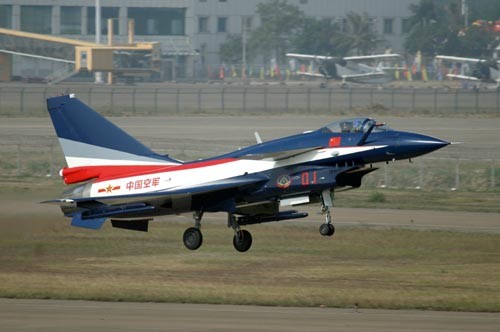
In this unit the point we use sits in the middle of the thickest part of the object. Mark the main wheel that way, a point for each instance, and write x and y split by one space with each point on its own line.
242 240
192 238
326 229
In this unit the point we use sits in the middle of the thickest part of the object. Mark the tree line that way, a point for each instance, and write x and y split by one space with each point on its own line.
434 27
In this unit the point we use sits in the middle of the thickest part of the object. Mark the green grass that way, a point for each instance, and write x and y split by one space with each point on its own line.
288 266
377 197
41 256
414 199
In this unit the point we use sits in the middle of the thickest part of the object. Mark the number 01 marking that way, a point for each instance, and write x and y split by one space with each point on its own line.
308 178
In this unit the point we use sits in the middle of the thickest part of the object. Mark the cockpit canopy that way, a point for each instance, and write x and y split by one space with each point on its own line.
356 125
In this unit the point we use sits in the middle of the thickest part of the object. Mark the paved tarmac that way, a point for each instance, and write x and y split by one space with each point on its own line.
192 135
477 222
52 315
202 136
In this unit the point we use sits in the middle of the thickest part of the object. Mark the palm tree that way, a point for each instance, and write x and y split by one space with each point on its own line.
358 34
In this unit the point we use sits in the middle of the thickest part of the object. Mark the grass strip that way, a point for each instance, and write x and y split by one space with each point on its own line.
289 265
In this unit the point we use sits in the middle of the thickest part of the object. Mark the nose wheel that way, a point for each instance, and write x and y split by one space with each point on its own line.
327 229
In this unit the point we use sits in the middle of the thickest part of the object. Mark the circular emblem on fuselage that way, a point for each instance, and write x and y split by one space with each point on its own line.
284 181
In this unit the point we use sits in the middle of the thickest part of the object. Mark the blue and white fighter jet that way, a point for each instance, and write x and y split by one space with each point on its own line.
118 178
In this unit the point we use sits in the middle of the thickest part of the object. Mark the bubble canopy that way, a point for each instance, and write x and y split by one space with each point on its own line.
355 125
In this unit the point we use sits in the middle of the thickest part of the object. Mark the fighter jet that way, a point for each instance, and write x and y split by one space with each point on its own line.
479 70
116 177
349 69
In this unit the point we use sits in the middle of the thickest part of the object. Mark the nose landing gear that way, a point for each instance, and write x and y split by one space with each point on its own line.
327 229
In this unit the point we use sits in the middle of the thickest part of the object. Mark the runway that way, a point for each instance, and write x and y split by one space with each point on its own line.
195 136
51 315
202 136
419 219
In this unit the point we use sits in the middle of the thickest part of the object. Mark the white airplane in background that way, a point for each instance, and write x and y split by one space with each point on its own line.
350 69
481 70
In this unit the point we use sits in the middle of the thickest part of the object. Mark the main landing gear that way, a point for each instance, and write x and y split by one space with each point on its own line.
193 239
327 228
242 239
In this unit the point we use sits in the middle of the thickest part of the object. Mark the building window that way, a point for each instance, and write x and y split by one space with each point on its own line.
71 20
106 13
405 25
222 24
158 21
203 24
6 16
372 22
36 19
388 23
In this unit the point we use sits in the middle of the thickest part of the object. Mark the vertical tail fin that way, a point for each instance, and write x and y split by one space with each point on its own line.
88 139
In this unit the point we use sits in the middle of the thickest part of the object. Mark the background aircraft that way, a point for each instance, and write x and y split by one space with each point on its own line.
121 179
477 70
349 69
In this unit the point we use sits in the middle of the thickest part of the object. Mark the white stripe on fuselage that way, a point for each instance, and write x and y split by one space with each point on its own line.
192 177
82 154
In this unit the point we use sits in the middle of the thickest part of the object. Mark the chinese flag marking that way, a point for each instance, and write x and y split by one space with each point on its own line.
334 141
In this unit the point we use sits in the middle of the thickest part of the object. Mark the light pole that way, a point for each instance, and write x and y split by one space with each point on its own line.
98 75
244 50
465 12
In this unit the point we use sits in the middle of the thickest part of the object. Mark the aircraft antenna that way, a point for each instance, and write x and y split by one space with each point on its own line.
257 138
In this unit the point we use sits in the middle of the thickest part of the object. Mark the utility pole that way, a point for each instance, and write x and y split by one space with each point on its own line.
465 12
98 75
244 50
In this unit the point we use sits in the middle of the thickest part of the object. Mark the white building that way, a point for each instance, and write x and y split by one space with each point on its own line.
191 31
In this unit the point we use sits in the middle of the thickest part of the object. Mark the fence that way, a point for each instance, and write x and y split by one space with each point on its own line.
227 99
45 159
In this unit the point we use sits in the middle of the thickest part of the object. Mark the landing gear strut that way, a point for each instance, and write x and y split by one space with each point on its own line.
327 228
242 240
192 236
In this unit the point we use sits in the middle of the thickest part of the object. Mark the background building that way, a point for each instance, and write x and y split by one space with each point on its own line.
190 31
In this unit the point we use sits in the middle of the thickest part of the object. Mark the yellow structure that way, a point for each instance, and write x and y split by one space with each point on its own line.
111 58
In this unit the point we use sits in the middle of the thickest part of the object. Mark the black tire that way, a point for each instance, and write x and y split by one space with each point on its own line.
332 230
326 229
192 238
242 240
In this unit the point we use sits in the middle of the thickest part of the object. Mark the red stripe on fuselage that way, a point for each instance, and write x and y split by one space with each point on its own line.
105 173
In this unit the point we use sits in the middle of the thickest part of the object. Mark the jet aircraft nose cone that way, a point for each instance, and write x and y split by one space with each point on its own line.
430 142
413 145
